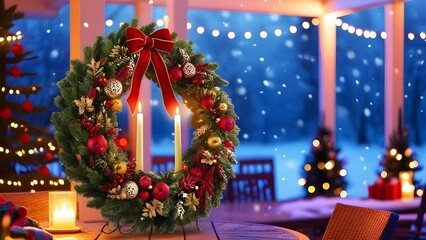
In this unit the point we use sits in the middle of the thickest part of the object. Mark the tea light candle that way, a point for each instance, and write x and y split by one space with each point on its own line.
63 218
62 211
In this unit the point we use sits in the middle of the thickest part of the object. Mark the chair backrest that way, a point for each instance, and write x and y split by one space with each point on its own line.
161 164
254 182
352 222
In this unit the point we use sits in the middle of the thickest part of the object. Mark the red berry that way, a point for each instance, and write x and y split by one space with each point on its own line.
145 182
207 102
144 195
102 81
160 191
109 104
92 93
112 132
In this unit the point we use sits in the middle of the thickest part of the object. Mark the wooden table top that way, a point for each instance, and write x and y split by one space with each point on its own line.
209 230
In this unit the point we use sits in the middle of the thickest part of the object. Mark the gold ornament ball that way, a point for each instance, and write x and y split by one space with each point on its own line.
212 92
130 189
214 142
113 88
223 107
117 105
188 70
120 167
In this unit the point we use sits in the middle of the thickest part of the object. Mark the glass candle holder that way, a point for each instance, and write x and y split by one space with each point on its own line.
62 211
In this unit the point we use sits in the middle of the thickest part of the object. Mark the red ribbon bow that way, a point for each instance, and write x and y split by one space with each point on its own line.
149 48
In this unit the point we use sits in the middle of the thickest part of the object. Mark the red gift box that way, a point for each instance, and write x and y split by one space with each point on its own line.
385 190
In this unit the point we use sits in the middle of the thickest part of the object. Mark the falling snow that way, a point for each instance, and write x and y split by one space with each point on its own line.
273 83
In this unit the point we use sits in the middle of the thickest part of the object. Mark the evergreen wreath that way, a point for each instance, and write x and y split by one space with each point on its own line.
87 126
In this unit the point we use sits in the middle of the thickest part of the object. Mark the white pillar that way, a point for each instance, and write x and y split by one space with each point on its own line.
85 26
327 72
177 12
394 66
143 12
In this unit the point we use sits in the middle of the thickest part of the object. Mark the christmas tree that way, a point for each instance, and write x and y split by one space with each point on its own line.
25 150
399 156
323 168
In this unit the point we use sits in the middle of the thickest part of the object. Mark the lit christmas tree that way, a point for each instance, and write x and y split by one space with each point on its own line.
399 156
25 150
324 172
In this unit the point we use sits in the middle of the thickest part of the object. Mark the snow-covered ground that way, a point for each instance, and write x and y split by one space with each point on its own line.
362 165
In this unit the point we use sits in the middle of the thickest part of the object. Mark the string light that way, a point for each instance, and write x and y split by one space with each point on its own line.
10 38
305 25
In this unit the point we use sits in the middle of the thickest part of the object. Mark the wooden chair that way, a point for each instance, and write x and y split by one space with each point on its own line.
161 164
412 228
254 182
352 222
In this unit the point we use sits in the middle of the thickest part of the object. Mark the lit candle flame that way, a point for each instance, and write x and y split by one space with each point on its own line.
139 106
177 110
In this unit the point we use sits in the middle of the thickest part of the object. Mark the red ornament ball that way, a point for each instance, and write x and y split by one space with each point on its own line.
144 195
175 74
145 182
49 156
160 191
228 144
25 137
102 81
17 48
226 123
44 171
27 106
207 102
5 113
15 71
97 145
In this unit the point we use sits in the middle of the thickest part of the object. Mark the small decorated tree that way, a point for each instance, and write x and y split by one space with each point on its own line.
399 157
324 170
25 149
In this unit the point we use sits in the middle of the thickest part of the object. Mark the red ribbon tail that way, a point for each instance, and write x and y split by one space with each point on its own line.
138 73
169 98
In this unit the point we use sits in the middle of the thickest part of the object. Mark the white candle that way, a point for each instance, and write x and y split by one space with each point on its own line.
407 191
139 139
178 141
406 176
63 218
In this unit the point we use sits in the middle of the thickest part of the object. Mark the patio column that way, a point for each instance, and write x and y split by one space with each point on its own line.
143 12
85 26
177 12
394 66
327 71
